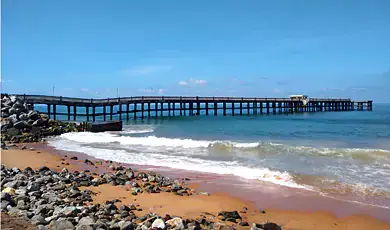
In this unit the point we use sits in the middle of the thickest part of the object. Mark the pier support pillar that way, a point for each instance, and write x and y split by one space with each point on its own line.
224 108
68 107
142 110
215 109
207 108
104 113
54 112
87 112
74 112
48 111
94 113
111 111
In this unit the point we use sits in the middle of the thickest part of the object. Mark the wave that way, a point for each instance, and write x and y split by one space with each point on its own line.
269 148
182 162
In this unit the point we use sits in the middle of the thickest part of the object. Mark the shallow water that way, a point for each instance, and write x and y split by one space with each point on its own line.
341 154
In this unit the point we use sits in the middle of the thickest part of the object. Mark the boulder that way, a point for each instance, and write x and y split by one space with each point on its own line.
23 117
13 119
21 125
176 222
33 115
158 223
61 225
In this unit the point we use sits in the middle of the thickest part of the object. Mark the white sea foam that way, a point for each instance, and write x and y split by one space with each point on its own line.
73 142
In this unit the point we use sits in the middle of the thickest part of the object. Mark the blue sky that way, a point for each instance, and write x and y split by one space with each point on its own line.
259 48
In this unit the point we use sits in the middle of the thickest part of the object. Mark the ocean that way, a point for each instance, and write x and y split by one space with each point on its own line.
344 155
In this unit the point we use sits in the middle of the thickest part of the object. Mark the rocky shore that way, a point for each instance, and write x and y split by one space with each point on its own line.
62 200
20 124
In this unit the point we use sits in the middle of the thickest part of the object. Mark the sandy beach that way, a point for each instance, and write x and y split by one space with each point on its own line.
290 212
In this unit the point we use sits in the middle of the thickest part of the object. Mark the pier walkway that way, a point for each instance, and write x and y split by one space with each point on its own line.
153 106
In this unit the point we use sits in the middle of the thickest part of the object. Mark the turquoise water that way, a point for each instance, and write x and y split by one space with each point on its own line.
341 154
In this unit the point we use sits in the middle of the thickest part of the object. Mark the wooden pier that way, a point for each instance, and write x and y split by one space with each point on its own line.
151 106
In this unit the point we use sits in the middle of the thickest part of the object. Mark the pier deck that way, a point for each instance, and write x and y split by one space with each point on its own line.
152 106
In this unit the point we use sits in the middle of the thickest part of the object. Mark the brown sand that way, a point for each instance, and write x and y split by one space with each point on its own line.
194 206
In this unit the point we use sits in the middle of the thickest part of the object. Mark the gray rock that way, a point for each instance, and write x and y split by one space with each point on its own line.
21 125
16 212
13 118
88 221
12 184
84 227
61 225
42 227
5 204
22 205
125 225
23 117
70 211
33 115
38 220
13 131
21 192
33 186
100 224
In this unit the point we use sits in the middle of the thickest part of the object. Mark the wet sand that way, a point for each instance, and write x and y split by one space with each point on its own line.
291 208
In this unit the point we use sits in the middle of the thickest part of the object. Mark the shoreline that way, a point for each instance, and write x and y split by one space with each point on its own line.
271 195
292 208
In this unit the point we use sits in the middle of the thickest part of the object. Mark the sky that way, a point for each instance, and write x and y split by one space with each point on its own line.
100 49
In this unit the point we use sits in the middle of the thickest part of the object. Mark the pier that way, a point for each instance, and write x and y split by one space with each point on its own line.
153 106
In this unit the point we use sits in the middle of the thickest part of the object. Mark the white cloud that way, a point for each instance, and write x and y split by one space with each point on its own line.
161 91
183 83
84 89
146 70
196 81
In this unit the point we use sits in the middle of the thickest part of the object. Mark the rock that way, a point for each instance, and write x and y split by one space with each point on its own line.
220 226
5 204
125 225
61 225
84 227
33 115
33 186
38 220
13 132
10 191
227 214
243 223
74 158
271 226
176 222
12 184
13 119
158 223
21 125
204 193
23 117
70 211
86 161
43 169
87 221
42 227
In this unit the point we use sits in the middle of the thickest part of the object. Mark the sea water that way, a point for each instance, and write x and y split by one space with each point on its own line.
340 154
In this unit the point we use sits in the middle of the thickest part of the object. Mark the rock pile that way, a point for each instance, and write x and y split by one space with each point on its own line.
53 200
20 124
